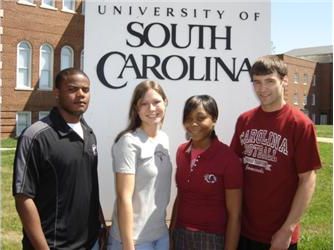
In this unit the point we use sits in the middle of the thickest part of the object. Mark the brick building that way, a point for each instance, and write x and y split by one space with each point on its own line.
310 85
38 38
48 36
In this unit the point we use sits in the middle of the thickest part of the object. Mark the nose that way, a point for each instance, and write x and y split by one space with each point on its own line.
80 92
151 106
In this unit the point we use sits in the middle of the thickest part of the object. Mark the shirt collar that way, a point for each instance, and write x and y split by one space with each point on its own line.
207 153
61 126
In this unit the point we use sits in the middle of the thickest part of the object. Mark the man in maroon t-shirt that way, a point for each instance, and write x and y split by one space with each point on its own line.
277 144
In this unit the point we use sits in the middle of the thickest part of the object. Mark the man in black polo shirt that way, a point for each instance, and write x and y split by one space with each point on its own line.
55 180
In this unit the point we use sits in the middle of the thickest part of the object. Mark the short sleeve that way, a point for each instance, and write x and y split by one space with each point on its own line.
26 171
233 173
124 155
235 142
307 154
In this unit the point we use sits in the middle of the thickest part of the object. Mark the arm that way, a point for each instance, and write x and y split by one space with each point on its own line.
31 222
306 184
174 215
124 190
233 211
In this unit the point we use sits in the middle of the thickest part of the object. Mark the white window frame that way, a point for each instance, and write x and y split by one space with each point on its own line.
314 80
305 99
295 99
27 67
82 58
42 114
296 77
69 8
62 66
26 2
313 100
49 85
19 128
83 7
305 78
48 4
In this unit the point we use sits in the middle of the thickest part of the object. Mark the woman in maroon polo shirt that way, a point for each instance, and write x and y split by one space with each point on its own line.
206 213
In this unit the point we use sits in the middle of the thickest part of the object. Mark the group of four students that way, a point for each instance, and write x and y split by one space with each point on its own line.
247 196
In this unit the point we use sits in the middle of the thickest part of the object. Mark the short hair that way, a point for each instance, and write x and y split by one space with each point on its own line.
267 65
63 74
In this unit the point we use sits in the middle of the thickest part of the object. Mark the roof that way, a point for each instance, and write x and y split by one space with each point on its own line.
321 50
321 54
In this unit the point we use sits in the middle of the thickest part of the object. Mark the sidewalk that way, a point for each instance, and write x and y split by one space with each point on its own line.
325 140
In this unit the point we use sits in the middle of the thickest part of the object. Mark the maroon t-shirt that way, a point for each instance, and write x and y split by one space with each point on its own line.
275 147
201 191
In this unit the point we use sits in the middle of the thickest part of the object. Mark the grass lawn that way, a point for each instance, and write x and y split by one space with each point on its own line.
317 230
324 130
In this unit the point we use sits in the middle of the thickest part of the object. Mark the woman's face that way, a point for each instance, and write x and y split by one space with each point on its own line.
199 124
151 108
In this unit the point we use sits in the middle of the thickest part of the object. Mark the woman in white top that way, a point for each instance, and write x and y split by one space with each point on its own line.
143 169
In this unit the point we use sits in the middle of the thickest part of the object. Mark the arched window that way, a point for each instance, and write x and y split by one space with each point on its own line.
69 5
48 3
66 57
23 68
46 65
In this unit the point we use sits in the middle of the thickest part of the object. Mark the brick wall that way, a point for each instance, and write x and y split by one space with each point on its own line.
38 26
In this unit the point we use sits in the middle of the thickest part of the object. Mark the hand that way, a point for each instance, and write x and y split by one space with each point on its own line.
281 240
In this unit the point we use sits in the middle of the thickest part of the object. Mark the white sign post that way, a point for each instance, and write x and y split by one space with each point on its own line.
189 47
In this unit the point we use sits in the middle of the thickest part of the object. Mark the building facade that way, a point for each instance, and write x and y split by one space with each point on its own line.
310 85
40 37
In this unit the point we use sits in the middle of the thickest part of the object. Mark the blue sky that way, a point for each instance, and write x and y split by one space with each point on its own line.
300 24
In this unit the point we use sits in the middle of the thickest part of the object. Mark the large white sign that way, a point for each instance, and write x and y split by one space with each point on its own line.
189 47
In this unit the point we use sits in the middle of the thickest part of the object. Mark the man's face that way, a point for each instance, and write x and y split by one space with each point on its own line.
270 91
73 97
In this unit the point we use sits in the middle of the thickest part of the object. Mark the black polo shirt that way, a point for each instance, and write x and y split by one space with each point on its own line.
58 170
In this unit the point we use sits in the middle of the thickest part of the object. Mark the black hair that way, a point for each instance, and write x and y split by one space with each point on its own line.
62 75
208 103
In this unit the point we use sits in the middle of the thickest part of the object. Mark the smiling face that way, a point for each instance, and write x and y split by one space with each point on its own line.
73 97
270 91
151 109
199 125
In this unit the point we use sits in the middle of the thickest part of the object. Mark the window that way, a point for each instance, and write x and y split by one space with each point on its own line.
46 64
23 120
82 59
66 57
314 80
305 79
313 117
295 99
83 7
295 77
23 71
305 99
42 114
29 2
48 3
323 118
69 5
313 99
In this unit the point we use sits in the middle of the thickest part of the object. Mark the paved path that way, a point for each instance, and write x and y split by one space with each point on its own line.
325 140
